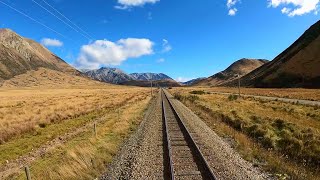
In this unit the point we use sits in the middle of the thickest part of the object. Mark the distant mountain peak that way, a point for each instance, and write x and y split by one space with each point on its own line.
240 67
150 76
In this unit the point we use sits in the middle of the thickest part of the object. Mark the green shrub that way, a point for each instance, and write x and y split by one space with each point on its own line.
42 125
178 96
279 124
197 92
232 97
192 98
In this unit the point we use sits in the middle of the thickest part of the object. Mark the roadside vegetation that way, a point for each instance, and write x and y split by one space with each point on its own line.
60 122
293 93
281 138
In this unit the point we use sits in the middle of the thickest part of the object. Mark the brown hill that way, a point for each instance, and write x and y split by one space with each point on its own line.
297 66
48 78
19 55
161 83
240 67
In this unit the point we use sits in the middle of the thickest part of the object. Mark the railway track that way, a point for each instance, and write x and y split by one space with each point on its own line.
182 156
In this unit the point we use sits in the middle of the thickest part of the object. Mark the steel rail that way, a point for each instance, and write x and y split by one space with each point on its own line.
169 165
207 172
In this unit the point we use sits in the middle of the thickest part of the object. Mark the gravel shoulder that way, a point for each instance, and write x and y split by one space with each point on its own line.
140 156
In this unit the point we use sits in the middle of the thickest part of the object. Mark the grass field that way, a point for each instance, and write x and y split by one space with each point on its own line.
281 138
293 93
60 123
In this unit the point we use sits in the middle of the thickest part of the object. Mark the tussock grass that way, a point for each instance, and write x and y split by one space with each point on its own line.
30 118
294 93
86 157
280 137
23 111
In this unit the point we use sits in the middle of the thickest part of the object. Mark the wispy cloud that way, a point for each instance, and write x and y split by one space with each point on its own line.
161 60
51 42
296 7
166 47
127 4
232 10
104 52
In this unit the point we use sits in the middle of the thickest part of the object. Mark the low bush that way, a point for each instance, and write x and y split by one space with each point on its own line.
197 92
232 97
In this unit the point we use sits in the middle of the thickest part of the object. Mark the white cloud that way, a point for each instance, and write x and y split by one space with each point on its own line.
166 47
296 7
126 4
161 60
230 5
104 52
183 79
232 12
51 42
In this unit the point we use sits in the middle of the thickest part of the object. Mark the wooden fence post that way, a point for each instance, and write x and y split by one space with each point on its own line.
27 170
95 129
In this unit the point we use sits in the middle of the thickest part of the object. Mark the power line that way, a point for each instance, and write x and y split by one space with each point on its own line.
67 19
61 19
24 14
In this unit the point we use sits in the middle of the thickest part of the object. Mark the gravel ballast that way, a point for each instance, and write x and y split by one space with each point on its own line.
141 156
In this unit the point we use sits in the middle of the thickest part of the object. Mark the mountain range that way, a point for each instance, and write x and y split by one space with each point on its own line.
149 76
117 76
24 62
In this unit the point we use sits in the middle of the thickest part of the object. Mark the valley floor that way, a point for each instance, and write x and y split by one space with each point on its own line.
291 93
52 130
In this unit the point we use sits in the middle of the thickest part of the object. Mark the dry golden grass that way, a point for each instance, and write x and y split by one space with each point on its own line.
32 117
23 110
282 138
86 157
294 93
27 110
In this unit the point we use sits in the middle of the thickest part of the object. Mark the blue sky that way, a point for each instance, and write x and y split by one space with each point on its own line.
184 39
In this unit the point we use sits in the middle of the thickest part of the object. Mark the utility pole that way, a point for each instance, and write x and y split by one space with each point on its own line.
151 89
239 84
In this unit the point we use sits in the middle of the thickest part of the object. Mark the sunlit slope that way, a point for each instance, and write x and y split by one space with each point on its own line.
297 66
19 55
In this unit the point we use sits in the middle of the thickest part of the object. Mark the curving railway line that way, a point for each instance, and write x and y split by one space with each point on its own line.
182 156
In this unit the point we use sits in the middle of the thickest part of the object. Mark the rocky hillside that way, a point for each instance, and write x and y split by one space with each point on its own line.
110 75
240 67
149 76
297 66
19 55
